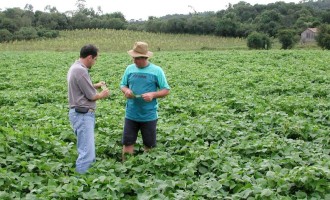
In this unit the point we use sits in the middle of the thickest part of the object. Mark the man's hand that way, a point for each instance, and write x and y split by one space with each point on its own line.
101 95
128 94
104 93
99 84
148 96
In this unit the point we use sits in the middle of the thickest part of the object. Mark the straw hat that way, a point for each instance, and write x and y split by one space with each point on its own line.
140 49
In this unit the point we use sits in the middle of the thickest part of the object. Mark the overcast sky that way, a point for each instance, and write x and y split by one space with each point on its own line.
133 9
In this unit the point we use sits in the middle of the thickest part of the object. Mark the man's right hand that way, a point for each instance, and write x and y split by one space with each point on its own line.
129 94
105 93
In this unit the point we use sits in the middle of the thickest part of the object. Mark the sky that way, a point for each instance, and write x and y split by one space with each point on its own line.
137 10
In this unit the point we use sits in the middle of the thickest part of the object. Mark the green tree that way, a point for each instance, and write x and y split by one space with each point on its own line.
46 33
13 20
80 21
288 38
14 13
9 24
245 11
304 19
115 23
326 16
269 22
176 25
226 28
154 25
258 41
46 20
26 33
27 18
117 15
228 25
244 29
5 35
135 26
323 37
199 24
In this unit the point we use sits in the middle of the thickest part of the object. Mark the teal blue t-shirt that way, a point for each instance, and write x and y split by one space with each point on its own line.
142 80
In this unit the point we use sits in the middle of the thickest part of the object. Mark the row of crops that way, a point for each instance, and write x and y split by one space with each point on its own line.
237 125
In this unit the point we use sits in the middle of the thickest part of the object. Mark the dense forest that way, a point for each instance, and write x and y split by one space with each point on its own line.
238 20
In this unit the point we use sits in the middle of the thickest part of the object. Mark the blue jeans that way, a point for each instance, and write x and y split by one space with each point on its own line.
83 127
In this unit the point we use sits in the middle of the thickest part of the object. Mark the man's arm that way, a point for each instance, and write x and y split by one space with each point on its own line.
101 95
153 95
161 93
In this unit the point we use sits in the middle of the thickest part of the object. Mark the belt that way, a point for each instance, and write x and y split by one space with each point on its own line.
85 111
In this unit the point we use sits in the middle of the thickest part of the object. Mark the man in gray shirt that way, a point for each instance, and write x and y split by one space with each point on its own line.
82 96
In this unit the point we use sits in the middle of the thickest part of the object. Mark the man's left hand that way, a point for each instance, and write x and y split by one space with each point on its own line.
148 96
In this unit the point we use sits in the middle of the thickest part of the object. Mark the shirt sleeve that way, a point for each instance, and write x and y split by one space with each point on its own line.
124 81
162 80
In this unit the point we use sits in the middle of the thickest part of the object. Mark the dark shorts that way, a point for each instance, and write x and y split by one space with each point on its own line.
148 132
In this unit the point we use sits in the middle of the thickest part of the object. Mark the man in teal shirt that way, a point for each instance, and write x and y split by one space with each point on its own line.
142 83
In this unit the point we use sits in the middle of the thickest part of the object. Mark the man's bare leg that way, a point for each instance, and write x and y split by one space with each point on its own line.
127 149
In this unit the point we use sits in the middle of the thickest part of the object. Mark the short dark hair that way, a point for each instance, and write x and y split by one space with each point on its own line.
87 50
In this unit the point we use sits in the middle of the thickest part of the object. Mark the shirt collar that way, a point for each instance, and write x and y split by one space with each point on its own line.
80 63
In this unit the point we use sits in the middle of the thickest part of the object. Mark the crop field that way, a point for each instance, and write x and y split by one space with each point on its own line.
122 40
108 41
237 125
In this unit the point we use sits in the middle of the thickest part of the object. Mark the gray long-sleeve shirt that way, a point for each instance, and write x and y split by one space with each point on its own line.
80 87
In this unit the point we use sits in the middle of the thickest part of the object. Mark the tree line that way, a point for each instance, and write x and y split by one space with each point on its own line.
238 20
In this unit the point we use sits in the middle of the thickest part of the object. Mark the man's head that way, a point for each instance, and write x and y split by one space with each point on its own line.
88 55
140 49
140 54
